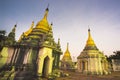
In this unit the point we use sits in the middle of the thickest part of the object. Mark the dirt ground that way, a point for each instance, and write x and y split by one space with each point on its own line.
80 76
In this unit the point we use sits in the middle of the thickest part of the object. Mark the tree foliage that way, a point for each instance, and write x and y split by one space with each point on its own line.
116 55
2 38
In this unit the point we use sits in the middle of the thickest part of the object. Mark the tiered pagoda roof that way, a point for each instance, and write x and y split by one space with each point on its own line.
41 35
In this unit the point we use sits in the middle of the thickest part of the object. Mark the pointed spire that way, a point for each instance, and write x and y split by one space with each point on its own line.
51 26
67 46
89 34
20 38
90 45
46 13
32 25
58 41
43 24
14 28
30 30
51 23
67 56
90 40
11 36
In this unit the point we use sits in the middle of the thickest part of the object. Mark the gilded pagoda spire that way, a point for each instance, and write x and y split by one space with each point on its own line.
90 45
43 24
90 41
27 32
46 13
67 50
67 56
30 29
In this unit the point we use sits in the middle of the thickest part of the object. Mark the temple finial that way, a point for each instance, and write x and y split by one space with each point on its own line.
46 13
89 35
51 23
90 40
67 46
32 25
88 28
15 25
59 41
43 24
47 7
14 28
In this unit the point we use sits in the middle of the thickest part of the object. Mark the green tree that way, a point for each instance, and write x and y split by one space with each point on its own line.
2 38
116 55
10 39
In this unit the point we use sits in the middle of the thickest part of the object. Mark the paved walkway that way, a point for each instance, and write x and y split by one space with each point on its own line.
79 76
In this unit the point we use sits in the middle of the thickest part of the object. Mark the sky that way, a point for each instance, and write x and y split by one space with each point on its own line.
71 20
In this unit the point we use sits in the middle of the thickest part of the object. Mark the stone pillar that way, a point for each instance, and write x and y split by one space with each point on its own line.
89 65
100 66
40 66
14 56
78 65
96 65
17 55
85 66
50 65
27 56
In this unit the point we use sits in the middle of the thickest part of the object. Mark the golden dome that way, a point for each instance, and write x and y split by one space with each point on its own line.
43 24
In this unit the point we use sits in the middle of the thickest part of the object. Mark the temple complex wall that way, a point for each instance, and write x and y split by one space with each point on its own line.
10 54
4 54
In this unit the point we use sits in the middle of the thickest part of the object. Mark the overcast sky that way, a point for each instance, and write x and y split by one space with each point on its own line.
70 20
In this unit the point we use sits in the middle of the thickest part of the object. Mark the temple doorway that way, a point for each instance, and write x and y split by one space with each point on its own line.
83 66
45 67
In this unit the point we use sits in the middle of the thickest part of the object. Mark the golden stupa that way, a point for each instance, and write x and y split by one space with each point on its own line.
67 56
91 60
66 62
